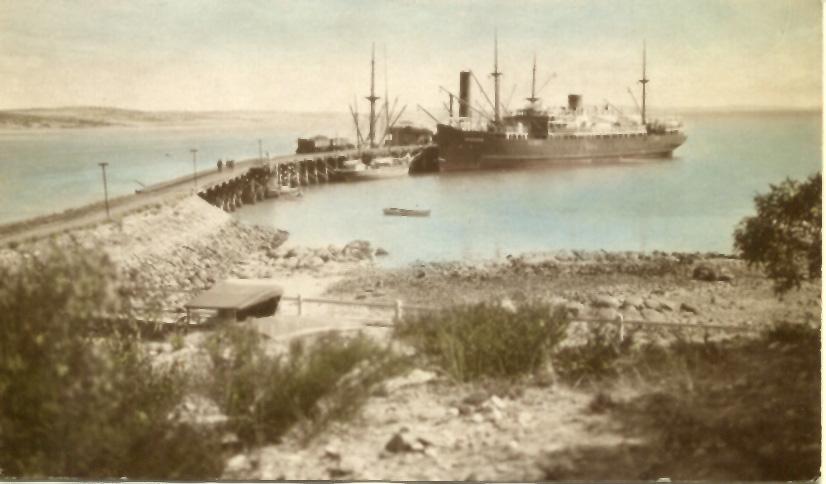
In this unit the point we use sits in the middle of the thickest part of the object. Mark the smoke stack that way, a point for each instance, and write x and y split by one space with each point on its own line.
464 94
574 102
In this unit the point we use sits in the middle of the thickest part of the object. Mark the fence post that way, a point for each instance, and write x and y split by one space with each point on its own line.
298 300
398 309
621 327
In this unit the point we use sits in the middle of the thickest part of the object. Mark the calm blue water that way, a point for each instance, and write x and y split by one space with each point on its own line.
49 171
689 203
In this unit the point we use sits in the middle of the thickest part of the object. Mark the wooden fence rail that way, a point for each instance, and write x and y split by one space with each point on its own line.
399 308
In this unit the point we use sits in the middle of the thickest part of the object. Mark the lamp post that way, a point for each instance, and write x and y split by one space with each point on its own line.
194 170
103 166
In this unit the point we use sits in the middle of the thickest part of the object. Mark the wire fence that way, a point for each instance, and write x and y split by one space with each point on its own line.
390 313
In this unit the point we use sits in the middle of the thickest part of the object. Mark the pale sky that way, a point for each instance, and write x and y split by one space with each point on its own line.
315 55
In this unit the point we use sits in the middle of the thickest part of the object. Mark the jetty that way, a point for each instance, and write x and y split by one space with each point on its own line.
228 188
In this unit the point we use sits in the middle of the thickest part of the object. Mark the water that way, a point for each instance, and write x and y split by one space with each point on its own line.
690 203
43 172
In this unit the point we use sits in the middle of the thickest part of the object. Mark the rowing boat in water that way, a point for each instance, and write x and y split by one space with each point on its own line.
403 212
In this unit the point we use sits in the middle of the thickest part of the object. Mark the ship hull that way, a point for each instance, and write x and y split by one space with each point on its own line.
479 150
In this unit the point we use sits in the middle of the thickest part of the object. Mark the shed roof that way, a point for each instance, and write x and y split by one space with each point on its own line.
236 294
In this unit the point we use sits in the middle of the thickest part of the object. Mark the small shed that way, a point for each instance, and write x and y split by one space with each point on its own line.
238 299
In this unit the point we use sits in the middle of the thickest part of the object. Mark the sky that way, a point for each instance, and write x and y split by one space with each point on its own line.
314 55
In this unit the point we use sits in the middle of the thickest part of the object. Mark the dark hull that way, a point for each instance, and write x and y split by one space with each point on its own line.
474 150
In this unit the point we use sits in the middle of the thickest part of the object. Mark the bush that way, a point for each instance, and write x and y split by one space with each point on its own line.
784 236
487 340
596 358
75 404
265 396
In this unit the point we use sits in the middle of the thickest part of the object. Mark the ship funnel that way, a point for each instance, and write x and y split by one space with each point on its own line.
574 102
464 94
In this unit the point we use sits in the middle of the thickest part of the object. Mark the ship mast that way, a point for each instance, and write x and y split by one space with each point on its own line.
533 97
643 81
496 74
372 98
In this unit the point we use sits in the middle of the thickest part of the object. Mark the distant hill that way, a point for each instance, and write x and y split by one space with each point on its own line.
97 116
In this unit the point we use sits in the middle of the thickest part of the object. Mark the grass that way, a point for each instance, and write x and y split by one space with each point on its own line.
313 384
487 340
746 408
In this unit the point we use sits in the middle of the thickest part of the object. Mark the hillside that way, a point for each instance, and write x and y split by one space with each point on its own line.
96 117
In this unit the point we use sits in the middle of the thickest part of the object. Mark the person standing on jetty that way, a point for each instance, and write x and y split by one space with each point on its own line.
220 165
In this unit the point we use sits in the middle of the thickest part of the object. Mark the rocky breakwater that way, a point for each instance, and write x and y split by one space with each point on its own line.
168 251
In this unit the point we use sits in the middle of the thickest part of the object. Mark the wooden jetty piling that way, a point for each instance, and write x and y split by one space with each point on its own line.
248 186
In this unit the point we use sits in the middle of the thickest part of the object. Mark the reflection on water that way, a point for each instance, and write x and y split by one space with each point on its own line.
691 202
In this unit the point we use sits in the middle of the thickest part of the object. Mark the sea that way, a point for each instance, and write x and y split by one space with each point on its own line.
691 202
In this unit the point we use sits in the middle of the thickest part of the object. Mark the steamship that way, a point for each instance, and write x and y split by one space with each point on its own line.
537 136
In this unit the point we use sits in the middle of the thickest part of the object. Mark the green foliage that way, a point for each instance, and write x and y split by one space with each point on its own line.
757 401
487 340
79 405
596 358
265 396
784 237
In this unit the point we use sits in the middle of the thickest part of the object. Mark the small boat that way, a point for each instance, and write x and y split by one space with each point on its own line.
403 212
282 191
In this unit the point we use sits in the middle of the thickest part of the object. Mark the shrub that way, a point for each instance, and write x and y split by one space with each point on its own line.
265 396
784 236
596 358
77 405
487 340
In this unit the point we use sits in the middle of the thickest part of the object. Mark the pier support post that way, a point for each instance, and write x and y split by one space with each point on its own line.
399 311
621 324
298 302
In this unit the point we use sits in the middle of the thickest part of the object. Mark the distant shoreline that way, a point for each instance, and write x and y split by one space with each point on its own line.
65 118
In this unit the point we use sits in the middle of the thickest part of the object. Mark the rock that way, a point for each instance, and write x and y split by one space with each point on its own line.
404 441
631 314
652 315
332 452
497 402
477 418
475 398
633 302
607 313
575 308
707 272
689 308
381 252
601 402
604 301
545 376
230 439
508 305
725 276
415 377
557 301
666 305
238 467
